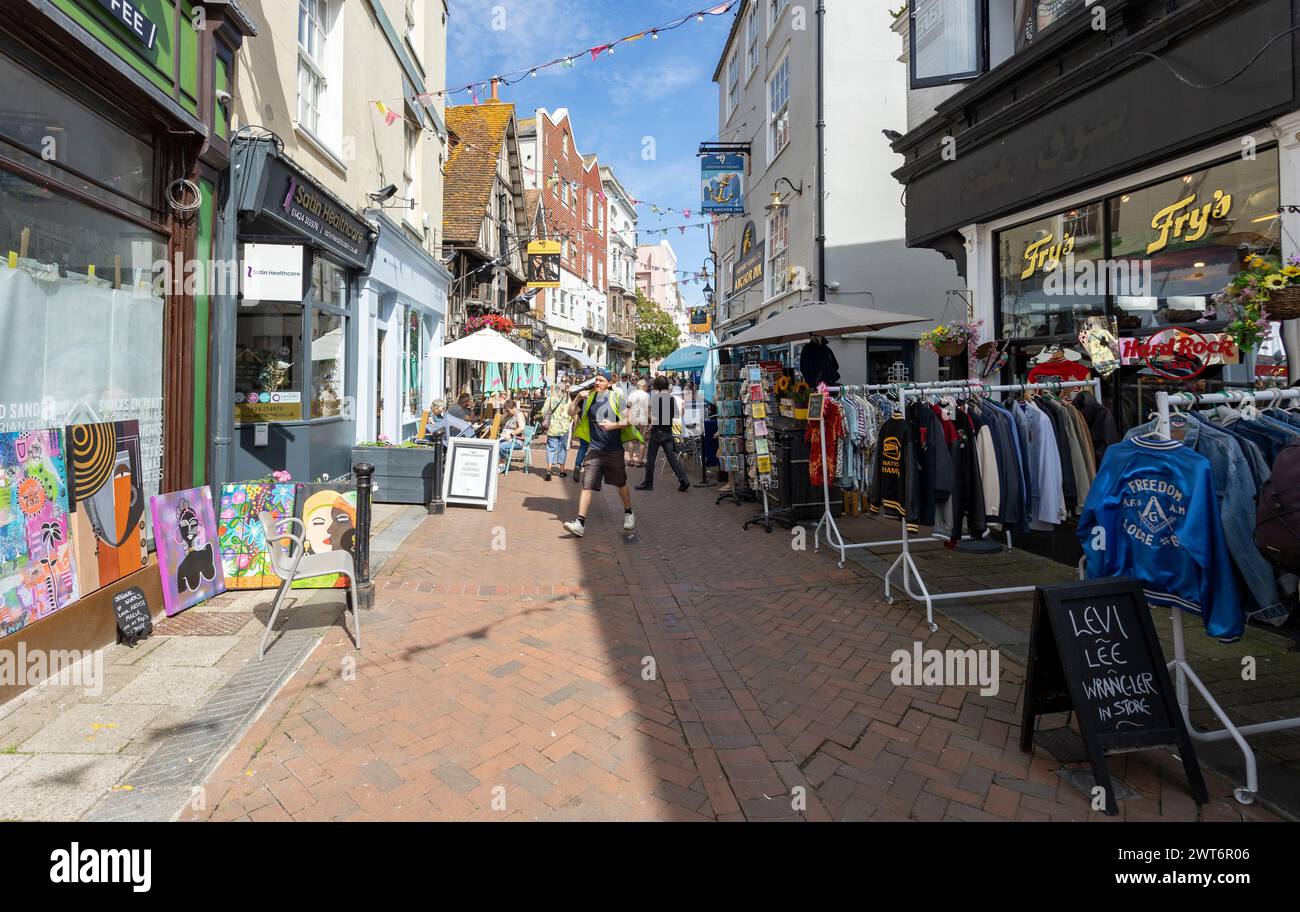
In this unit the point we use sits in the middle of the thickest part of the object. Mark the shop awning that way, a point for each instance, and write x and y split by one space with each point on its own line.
581 357
819 319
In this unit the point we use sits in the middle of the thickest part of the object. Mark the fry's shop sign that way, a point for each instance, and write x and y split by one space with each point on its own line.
1179 354
1184 221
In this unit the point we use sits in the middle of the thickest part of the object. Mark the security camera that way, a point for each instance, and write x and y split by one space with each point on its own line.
224 98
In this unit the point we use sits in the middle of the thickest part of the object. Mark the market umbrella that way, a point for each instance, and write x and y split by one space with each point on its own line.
488 345
818 319
535 376
492 378
689 358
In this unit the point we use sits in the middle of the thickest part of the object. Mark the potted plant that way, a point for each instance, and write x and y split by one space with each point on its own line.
801 394
1263 290
948 340
405 473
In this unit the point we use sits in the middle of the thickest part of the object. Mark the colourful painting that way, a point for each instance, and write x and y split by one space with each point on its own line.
245 555
105 502
185 534
329 517
38 572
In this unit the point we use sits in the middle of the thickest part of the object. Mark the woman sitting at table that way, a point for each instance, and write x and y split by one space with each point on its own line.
512 431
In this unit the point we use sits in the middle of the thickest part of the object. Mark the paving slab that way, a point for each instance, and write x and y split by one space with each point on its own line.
193 650
94 728
170 685
59 786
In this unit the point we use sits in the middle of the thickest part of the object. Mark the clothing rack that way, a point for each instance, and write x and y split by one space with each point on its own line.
1181 667
910 569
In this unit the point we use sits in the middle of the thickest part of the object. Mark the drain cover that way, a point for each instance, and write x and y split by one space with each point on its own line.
208 623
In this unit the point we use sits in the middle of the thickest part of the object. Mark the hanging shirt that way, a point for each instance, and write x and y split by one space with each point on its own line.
1047 500
1152 514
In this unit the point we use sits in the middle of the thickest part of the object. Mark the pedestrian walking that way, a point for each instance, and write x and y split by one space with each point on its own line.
603 422
555 423
638 409
664 410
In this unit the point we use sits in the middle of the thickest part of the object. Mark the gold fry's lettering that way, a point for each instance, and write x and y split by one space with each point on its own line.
1185 222
1043 254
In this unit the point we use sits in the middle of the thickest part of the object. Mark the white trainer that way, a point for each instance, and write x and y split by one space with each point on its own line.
629 522
576 527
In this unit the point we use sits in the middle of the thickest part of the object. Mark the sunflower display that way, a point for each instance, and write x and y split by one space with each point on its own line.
782 385
1263 290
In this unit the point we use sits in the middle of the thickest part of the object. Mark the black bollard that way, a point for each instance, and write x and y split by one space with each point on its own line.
363 471
438 506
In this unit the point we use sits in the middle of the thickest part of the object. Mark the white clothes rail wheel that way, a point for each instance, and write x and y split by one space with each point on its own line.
1182 669
905 560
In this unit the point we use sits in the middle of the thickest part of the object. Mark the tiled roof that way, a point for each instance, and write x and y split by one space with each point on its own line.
478 132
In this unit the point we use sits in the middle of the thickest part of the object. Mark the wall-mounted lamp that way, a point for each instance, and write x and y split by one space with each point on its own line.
777 204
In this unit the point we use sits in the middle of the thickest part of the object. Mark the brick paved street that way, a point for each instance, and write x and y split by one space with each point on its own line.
504 676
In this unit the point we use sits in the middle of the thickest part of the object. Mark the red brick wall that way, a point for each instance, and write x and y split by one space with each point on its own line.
572 221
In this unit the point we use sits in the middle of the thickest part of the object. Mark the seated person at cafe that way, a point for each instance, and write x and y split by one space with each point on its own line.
462 407
512 430
443 419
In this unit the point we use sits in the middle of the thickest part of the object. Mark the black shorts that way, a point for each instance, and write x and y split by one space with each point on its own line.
604 465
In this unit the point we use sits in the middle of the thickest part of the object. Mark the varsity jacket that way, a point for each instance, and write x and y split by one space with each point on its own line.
890 469
1153 515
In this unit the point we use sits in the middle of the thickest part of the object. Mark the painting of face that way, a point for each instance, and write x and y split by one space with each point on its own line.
185 531
106 501
329 517
38 573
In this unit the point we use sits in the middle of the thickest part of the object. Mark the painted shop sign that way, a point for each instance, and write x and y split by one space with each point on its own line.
299 204
142 28
1184 221
749 267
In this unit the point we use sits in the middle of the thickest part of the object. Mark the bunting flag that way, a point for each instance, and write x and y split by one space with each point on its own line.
389 114
567 61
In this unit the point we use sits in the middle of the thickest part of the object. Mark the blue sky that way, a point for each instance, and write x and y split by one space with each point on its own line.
662 89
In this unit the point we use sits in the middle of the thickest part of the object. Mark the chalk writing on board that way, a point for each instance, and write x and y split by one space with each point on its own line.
1120 696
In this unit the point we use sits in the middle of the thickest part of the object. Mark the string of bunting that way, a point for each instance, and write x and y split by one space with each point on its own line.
568 61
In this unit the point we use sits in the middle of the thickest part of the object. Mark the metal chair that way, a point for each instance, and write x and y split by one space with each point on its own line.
530 431
304 566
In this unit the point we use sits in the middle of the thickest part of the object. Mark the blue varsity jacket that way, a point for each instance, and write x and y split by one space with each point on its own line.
1152 514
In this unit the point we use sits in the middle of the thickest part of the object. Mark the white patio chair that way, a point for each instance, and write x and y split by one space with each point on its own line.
301 565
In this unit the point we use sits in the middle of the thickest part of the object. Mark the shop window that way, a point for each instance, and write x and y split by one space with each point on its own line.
1034 257
1184 239
328 348
268 362
81 315
413 358
955 40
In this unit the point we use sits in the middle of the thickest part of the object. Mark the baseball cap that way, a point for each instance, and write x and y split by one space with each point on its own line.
606 374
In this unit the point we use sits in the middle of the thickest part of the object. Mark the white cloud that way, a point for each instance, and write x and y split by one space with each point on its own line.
654 85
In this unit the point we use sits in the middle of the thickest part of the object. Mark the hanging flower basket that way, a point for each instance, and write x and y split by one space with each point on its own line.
948 340
1262 291
1284 303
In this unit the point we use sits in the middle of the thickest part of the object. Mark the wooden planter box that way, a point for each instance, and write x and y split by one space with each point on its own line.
405 475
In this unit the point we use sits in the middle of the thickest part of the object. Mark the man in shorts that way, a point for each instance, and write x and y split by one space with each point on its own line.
604 423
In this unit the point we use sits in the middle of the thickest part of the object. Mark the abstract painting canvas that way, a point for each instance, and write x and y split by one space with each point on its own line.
329 517
185 534
245 554
38 573
105 502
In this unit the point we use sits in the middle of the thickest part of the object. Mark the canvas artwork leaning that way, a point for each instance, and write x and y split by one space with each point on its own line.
329 517
185 534
245 554
106 502
38 573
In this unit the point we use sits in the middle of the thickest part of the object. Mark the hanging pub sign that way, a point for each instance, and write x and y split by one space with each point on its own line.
1094 651
748 269
722 177
543 269
701 322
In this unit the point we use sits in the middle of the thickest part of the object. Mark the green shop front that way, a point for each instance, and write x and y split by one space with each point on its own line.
287 354
113 151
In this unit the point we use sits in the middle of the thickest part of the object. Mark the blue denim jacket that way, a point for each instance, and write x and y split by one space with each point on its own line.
1236 491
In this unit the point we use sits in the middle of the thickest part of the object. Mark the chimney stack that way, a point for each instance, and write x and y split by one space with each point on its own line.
495 83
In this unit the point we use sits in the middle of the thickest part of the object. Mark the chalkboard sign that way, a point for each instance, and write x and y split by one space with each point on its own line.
134 622
1094 651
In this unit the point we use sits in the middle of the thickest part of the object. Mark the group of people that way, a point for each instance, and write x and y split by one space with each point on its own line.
617 423
614 429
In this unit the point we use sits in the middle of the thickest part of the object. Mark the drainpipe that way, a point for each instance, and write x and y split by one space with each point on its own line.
821 150
221 355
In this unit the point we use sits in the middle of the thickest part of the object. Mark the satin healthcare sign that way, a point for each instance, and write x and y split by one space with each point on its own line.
722 177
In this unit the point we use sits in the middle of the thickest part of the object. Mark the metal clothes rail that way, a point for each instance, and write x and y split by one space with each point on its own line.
1181 667
905 559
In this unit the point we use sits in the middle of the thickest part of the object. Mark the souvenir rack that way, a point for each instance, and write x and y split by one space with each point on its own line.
1181 667
906 541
